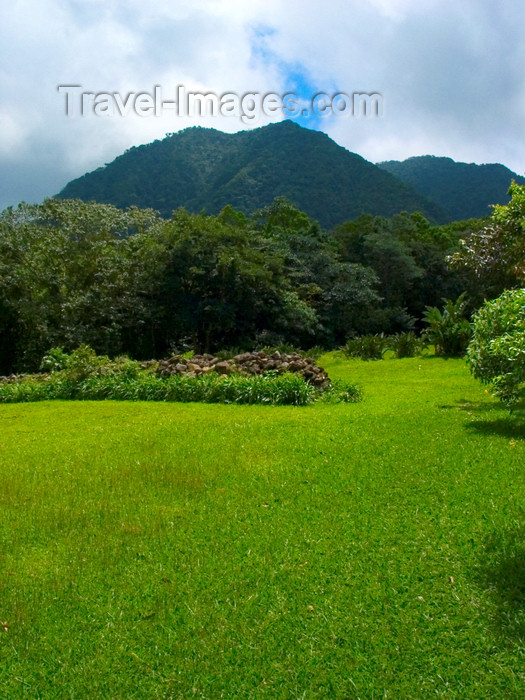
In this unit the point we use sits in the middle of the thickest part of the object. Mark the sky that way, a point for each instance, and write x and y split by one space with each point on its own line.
450 74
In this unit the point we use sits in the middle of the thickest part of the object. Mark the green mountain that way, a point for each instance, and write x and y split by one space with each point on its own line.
463 190
204 169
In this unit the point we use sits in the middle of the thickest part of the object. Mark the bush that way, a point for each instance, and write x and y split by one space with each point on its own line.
496 353
340 392
406 344
449 331
84 362
366 347
55 360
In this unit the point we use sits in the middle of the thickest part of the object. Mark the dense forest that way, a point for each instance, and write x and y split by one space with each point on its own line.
205 170
462 190
130 281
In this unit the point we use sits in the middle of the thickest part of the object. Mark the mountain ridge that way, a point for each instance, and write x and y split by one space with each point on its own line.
463 190
206 169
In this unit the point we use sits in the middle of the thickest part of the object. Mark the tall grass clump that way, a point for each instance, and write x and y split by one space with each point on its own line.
366 347
406 344
279 390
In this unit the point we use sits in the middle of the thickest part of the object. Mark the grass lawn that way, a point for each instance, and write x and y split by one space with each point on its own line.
371 550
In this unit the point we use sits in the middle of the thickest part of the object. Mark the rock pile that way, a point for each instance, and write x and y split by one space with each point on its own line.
246 364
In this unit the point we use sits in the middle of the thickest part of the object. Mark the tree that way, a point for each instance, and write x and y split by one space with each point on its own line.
374 243
494 256
223 283
73 273
342 295
496 353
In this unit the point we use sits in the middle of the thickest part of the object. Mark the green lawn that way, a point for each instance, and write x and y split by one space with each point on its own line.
370 550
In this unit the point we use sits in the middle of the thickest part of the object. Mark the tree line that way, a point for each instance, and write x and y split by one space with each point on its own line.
129 281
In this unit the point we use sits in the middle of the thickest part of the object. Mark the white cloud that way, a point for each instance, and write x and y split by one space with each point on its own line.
451 74
11 135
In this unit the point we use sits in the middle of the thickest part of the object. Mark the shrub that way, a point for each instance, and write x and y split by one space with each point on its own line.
406 344
449 331
340 392
55 360
366 347
496 353
82 363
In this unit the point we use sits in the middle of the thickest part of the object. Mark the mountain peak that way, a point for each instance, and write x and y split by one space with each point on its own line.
200 168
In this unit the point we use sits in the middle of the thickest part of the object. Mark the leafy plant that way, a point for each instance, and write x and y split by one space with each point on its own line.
406 344
496 353
449 331
366 347
341 392
55 360
84 362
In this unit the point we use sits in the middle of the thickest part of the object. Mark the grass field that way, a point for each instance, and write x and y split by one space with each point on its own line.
370 550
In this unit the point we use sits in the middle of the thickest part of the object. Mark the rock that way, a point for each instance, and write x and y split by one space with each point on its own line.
245 364
296 366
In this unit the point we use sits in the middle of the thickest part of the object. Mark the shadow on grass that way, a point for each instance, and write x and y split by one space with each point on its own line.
502 573
511 426
475 406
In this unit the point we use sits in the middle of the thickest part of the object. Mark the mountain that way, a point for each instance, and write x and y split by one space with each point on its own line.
207 169
463 190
